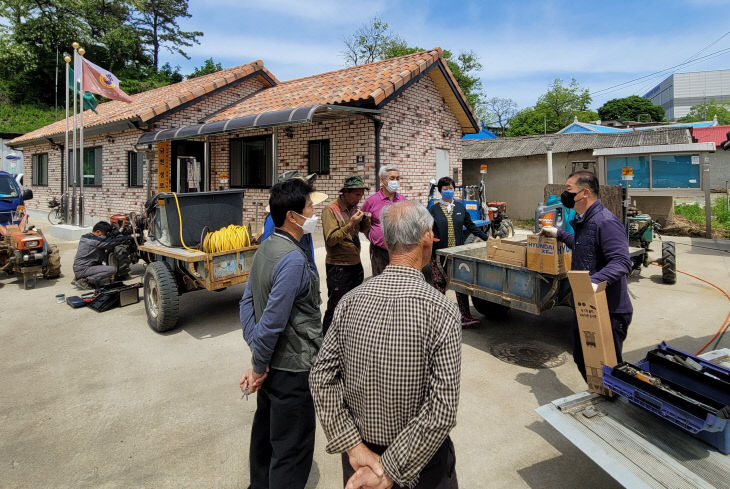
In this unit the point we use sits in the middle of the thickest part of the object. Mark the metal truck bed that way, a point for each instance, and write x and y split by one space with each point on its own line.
516 287
635 447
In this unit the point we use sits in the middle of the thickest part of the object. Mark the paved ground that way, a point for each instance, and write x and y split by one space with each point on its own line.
100 400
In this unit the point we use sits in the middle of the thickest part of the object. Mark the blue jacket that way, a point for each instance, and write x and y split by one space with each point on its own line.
600 246
306 240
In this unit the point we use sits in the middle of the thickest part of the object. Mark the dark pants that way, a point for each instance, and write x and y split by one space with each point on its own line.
341 279
620 326
379 259
282 434
439 473
440 282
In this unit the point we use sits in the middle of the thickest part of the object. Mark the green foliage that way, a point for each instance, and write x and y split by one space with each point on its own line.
719 212
209 66
155 21
25 117
375 41
147 78
706 112
554 110
630 109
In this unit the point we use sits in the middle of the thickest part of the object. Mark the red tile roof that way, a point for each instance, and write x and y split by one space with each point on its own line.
713 134
370 84
152 103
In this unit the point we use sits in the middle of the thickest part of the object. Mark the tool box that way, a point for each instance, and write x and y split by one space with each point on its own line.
685 390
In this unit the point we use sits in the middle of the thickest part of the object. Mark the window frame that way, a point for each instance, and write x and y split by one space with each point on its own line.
323 155
268 161
651 187
139 174
98 166
34 170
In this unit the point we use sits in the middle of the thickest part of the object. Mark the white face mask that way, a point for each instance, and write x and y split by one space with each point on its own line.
310 223
393 185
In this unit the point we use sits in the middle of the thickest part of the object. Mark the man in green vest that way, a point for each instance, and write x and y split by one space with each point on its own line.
282 325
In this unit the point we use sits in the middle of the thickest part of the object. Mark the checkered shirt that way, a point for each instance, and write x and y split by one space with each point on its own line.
388 371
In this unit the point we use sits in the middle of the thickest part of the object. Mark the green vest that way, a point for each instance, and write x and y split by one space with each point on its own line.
299 343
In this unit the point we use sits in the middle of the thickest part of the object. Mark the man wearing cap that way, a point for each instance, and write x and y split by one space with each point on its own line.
342 221
317 198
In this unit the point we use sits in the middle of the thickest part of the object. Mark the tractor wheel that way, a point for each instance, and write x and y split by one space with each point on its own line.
119 259
161 300
53 266
489 309
669 263
472 238
647 261
505 230
29 280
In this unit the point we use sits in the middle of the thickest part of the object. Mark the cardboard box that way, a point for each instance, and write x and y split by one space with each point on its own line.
547 255
509 252
594 325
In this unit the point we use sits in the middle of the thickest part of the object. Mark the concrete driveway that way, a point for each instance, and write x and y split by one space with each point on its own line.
100 400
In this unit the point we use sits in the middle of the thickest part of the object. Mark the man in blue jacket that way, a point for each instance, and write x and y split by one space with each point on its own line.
600 245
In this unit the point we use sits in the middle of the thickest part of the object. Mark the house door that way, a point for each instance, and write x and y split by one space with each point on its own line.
442 163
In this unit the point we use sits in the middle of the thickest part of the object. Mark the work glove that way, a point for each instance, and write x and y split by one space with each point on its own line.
595 286
549 231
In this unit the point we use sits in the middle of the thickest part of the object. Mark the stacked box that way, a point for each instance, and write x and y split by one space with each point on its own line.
509 252
547 255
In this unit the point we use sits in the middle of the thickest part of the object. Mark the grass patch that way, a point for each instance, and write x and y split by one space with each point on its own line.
719 213
26 117
524 224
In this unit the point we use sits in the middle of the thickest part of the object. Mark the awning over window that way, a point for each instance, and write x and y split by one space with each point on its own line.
300 115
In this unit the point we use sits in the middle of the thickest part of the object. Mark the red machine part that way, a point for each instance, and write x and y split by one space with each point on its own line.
27 241
501 208
118 220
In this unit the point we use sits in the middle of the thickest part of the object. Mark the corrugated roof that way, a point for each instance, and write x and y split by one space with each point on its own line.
716 134
565 143
152 103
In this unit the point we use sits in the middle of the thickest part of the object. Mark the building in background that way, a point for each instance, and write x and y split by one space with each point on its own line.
11 160
680 91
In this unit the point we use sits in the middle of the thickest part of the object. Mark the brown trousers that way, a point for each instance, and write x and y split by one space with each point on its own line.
379 259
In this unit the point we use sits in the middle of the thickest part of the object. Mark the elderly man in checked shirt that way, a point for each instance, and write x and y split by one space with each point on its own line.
386 381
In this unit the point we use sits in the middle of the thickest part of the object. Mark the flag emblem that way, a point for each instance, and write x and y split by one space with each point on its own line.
107 81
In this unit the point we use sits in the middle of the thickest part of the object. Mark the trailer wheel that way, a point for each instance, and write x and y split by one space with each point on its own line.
472 238
489 309
669 263
161 300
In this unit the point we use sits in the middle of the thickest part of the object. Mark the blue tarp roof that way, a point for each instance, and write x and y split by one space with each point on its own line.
583 127
483 134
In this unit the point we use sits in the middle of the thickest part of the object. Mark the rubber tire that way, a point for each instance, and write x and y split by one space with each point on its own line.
54 217
472 238
489 309
53 266
506 230
158 277
669 263
646 261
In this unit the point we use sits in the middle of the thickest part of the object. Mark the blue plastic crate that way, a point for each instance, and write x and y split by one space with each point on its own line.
709 428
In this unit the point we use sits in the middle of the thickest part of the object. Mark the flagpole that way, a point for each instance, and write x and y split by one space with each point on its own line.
64 195
82 51
73 151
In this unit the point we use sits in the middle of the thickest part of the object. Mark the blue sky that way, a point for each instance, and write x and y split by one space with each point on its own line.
523 45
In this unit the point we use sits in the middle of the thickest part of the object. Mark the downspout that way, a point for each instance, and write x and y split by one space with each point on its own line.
378 125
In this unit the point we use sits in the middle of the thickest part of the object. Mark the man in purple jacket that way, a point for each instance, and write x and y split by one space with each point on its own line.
600 246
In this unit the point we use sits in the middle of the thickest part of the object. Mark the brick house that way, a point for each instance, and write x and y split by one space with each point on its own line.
240 127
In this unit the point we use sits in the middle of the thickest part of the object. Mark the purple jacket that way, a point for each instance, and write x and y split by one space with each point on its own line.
600 246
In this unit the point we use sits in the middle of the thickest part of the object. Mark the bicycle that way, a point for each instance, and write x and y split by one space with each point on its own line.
57 214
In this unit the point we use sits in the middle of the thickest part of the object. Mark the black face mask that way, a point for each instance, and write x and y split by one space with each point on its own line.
568 199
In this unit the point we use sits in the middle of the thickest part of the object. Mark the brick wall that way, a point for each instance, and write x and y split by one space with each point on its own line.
115 196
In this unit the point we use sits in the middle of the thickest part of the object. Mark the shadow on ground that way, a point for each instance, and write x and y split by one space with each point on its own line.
220 310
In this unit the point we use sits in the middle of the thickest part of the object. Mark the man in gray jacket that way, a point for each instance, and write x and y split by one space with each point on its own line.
89 268
282 325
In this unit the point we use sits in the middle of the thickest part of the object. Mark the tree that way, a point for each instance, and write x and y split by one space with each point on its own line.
708 111
209 66
374 41
498 111
370 42
630 109
554 110
156 24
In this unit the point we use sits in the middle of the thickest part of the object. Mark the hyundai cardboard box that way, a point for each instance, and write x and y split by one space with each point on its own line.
594 324
547 255
509 252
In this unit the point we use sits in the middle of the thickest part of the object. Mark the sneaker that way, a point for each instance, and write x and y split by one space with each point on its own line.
81 283
469 322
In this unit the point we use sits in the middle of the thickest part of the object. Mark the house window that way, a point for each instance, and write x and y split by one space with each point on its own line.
251 162
40 170
675 171
135 169
319 157
640 164
91 167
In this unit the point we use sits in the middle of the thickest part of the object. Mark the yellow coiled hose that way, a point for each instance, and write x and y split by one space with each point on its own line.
227 238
